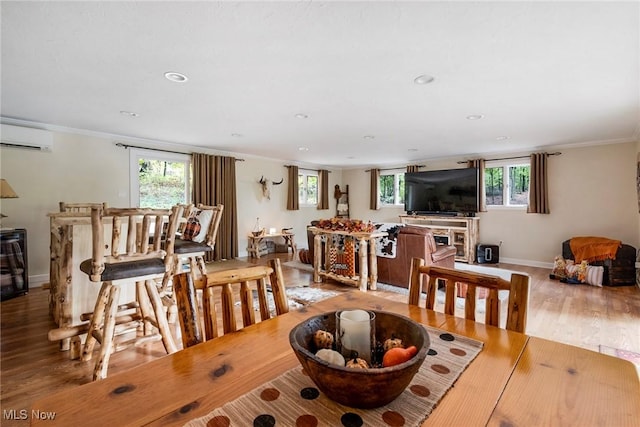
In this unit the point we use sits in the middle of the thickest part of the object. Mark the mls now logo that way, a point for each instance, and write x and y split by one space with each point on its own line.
23 414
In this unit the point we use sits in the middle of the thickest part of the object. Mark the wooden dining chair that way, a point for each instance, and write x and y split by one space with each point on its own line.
221 286
518 288
130 258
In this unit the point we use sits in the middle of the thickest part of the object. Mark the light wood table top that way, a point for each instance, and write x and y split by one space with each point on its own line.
515 380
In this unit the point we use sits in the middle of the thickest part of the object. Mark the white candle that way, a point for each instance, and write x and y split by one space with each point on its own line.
355 332
272 230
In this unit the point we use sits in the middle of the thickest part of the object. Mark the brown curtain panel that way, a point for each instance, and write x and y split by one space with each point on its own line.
482 199
323 177
374 199
538 185
413 168
293 203
214 182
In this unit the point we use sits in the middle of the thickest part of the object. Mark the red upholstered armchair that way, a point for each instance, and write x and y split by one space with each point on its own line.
418 242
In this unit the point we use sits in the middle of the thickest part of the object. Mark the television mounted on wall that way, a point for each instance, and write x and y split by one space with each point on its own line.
442 192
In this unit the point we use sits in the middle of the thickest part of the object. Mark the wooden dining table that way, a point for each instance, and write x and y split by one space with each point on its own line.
515 380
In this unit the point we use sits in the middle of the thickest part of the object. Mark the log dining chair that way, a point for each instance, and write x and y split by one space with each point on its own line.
218 289
130 258
518 288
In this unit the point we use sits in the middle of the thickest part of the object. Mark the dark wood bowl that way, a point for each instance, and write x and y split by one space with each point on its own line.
361 388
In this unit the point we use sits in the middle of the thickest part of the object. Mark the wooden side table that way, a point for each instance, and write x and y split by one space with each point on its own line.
253 248
368 274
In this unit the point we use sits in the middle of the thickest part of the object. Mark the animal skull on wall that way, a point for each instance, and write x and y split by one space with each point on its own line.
266 184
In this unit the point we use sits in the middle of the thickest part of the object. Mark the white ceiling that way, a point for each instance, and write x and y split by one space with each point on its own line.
542 73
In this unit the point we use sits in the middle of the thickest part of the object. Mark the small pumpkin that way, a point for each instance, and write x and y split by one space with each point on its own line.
396 356
323 339
331 356
357 363
390 343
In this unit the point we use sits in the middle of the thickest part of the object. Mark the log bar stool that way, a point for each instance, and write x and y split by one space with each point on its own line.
191 246
141 262
195 247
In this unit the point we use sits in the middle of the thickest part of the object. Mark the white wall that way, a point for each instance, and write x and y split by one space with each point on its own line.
274 213
593 192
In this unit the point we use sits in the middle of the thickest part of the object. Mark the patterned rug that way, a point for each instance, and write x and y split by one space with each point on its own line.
292 399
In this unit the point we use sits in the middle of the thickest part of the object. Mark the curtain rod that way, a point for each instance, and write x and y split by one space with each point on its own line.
393 169
557 153
125 146
305 169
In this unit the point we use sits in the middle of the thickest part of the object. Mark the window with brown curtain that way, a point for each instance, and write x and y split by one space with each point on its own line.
482 199
214 182
323 202
538 185
374 199
293 203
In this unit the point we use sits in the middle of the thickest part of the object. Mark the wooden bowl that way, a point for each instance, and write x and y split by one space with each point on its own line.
361 388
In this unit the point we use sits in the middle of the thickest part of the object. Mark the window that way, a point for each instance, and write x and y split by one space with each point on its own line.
308 188
506 184
391 189
159 180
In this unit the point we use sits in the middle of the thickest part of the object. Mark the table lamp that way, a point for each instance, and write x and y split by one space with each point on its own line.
6 192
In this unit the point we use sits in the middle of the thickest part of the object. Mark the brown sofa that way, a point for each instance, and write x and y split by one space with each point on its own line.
413 242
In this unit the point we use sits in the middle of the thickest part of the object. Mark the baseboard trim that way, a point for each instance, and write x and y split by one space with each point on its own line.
526 262
38 280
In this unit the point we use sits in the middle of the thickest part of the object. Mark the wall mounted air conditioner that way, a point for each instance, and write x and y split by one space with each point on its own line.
26 138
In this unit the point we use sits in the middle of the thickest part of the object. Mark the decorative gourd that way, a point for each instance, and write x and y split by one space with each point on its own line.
357 363
331 356
397 355
323 339
392 343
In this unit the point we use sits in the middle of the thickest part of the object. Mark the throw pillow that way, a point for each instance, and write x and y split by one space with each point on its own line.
559 268
197 225
584 273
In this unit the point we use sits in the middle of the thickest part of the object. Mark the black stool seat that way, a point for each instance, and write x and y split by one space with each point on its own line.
125 270
188 246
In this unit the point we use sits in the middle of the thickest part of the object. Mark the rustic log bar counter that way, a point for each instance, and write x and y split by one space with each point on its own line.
71 292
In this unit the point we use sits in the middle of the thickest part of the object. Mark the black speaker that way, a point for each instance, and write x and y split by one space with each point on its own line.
488 254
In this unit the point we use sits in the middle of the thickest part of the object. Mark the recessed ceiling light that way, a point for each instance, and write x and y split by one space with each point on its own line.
129 113
236 135
369 137
301 116
475 117
423 79
303 149
502 138
176 77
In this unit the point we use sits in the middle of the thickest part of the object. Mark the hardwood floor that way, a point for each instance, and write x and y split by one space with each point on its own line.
31 366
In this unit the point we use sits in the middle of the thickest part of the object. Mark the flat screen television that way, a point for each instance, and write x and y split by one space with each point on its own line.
442 192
